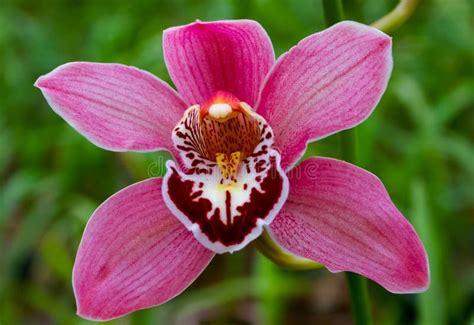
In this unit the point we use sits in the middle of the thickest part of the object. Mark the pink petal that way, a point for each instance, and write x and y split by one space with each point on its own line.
342 216
134 254
205 57
329 82
116 107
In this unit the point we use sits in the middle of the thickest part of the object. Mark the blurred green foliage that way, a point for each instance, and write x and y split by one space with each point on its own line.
419 142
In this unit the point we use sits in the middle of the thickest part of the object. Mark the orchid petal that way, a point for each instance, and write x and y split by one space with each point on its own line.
205 57
116 107
342 216
329 82
134 254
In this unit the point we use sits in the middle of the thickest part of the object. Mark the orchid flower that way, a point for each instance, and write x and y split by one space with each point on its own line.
237 125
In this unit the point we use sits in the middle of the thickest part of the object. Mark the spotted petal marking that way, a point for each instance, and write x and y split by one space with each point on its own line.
225 208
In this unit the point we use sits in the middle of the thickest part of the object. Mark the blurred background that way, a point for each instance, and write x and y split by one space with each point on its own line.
419 141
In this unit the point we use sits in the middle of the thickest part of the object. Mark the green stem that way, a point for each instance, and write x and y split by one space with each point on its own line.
356 283
360 298
276 254
431 305
397 17
333 12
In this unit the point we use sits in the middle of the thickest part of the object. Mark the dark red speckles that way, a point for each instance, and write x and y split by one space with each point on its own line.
197 162
196 209
183 148
260 166
199 171
247 168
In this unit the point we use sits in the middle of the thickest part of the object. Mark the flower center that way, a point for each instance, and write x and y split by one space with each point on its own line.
230 183
223 132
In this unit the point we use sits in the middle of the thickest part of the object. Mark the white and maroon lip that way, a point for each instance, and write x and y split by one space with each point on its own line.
231 183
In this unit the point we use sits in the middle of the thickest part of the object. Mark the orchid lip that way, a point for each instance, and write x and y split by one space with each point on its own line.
232 184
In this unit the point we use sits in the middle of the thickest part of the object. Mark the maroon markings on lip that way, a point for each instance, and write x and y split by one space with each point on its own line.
196 209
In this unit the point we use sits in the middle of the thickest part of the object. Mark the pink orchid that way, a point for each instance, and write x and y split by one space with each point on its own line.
238 124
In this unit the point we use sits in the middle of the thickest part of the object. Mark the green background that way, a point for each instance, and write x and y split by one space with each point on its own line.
419 142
